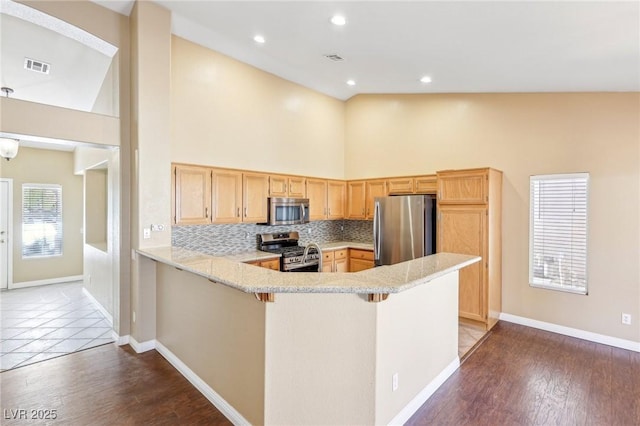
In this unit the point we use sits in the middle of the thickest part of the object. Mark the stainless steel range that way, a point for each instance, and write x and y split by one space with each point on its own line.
292 255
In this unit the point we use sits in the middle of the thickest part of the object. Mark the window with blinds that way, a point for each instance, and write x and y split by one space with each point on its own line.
41 220
558 232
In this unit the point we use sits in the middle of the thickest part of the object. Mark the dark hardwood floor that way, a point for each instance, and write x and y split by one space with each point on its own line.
518 376
524 376
107 385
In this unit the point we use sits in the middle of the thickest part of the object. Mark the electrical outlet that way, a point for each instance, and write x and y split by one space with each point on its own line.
626 319
157 228
146 233
394 382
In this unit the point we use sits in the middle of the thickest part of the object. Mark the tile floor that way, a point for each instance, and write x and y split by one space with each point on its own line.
39 323
468 336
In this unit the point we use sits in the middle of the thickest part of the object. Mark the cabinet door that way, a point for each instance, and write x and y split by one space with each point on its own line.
426 184
278 186
227 196
463 187
297 187
375 188
255 190
400 185
317 194
341 262
273 264
463 230
356 200
327 261
192 195
336 199
356 265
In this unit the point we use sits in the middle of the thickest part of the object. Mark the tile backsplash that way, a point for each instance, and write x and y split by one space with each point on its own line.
238 238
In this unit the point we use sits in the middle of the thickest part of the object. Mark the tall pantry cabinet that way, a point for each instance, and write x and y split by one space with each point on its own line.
470 222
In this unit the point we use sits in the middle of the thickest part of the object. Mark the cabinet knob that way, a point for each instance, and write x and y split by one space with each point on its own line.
238 212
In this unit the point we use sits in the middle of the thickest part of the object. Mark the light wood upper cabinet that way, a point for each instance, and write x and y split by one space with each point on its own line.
427 184
226 195
255 191
375 188
336 199
191 195
356 191
463 187
361 195
287 186
317 195
470 222
404 185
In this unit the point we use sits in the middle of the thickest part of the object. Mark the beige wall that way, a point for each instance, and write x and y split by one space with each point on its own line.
229 114
52 167
218 332
96 207
523 135
150 150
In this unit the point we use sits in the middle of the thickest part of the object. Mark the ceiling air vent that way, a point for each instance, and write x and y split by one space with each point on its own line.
334 57
36 66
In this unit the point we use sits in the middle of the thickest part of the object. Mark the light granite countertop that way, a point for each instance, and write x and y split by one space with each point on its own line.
232 272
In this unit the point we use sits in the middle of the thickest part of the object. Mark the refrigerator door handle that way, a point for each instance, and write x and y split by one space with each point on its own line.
376 231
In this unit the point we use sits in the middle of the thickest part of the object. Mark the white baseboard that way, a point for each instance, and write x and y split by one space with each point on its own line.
573 332
413 406
35 283
140 347
98 306
120 340
223 406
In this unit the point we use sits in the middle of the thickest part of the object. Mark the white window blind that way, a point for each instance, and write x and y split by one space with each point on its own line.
41 220
558 232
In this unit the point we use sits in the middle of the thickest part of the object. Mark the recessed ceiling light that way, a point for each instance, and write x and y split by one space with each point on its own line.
338 20
425 79
351 82
259 39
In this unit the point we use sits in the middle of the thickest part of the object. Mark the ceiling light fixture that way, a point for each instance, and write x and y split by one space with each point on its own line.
351 82
425 79
9 148
338 20
259 39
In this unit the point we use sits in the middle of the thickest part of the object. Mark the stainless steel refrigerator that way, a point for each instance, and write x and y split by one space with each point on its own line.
404 228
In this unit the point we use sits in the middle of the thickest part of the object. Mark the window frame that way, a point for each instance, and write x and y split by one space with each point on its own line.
532 280
60 226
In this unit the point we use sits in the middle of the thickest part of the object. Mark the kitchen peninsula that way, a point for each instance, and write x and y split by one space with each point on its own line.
319 349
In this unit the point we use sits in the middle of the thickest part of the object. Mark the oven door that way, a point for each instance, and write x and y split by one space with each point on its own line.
306 268
288 211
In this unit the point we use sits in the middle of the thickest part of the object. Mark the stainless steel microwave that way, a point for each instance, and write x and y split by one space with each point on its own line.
288 211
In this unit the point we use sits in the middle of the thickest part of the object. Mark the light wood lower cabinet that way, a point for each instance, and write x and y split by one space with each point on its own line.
335 260
273 264
463 230
470 222
359 260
